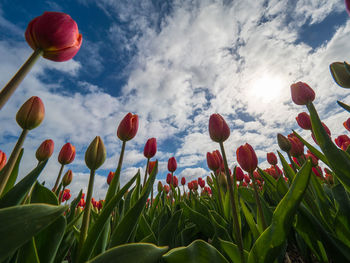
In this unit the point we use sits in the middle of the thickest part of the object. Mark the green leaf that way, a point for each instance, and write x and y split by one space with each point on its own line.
20 223
124 229
41 194
97 229
197 251
288 171
343 105
132 253
14 174
232 251
168 232
250 220
267 247
16 195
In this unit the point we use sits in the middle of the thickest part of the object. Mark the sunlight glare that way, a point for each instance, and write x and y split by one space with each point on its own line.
266 88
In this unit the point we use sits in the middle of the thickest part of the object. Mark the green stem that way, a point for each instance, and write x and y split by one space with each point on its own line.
219 193
145 178
86 217
7 170
58 179
233 206
61 198
12 85
258 203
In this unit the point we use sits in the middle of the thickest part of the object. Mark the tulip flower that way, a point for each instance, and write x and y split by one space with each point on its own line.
218 128
67 154
45 150
95 154
314 161
318 172
195 185
31 113
183 181
67 178
166 189
302 93
283 143
246 178
347 124
65 195
201 182
303 120
214 160
339 72
239 174
56 34
151 166
160 186
172 165
190 185
247 158
342 141
297 148
175 181
271 158
150 148
110 177
128 127
3 159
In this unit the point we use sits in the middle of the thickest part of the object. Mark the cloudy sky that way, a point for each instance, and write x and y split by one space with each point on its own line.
174 63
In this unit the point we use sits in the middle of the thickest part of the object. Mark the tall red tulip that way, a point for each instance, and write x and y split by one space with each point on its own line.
302 93
67 154
214 160
172 165
183 180
304 121
56 34
247 158
169 178
128 127
45 150
297 146
150 148
239 174
218 128
271 158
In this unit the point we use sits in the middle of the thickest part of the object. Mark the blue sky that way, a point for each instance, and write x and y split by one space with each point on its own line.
174 63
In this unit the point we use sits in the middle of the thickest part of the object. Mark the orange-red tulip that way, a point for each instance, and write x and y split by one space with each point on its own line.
247 158
45 150
302 93
218 128
67 154
128 127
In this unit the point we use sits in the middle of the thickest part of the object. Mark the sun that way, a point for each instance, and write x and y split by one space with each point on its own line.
266 88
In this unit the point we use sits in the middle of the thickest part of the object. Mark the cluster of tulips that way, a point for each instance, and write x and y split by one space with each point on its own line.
285 213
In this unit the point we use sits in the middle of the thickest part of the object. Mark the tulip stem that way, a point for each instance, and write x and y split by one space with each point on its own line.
233 206
219 193
12 85
61 197
7 170
87 209
58 179
145 178
258 203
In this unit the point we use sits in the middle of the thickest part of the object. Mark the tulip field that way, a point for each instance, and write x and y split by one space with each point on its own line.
297 210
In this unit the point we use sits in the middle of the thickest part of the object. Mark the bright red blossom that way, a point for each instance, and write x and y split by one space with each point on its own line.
218 128
183 180
67 154
302 93
150 148
347 124
172 165
247 158
128 127
271 158
110 177
304 121
3 159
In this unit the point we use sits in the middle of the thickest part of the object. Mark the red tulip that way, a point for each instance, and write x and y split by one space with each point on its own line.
314 161
297 146
304 121
172 165
347 124
166 189
302 93
183 180
128 127
247 158
271 158
239 174
195 185
67 154
347 6
3 159
110 177
175 181
190 185
56 34
318 171
246 178
31 113
214 160
169 178
151 166
66 195
342 141
201 182
45 150
150 148
67 178
218 128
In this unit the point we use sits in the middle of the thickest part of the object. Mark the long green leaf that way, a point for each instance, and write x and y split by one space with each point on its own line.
19 191
232 251
343 105
41 194
167 234
132 253
197 251
14 174
20 223
267 247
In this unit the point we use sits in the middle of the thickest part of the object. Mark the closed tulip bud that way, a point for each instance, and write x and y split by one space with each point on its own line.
209 180
340 75
150 148
160 186
214 160
95 154
302 93
246 178
128 127
172 165
201 182
45 150
67 154
56 34
303 120
31 114
239 174
314 161
175 181
247 158
3 159
218 128
195 185
166 189
297 146
271 158
110 177
183 181
169 178
347 124
67 178
318 172
222 180
151 166
283 143
190 185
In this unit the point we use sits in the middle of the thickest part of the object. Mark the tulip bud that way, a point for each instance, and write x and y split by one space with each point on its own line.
303 120
218 128
67 154
340 75
56 34
166 188
201 182
347 124
160 186
95 154
283 143
314 161
302 93
190 185
128 127
222 180
342 141
3 159
150 148
110 177
67 178
169 178
151 166
297 148
183 181
271 158
247 158
172 165
45 150
31 114
246 178
318 172
213 160
175 181
195 185
239 174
